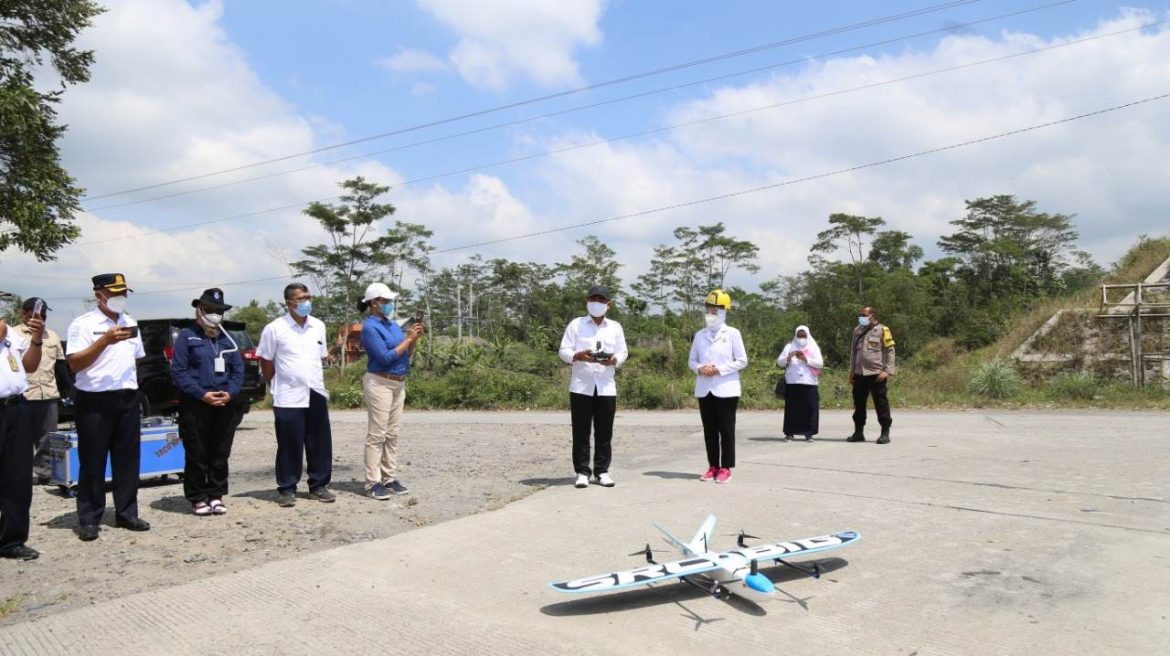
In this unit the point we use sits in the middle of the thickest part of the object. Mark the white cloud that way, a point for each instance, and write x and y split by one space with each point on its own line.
506 39
409 60
1108 170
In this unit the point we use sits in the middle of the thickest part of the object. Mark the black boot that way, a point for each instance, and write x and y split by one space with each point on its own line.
858 434
885 436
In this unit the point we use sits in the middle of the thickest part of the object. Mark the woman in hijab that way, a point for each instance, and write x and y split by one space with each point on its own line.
802 362
717 356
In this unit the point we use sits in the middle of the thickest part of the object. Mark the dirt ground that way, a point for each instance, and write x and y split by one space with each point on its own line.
452 468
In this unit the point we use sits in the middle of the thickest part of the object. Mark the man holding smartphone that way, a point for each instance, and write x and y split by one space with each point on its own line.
42 393
102 348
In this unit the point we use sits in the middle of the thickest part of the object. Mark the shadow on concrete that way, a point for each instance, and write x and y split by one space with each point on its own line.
662 593
670 474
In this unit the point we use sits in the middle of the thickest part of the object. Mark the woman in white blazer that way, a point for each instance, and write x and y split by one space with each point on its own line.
717 357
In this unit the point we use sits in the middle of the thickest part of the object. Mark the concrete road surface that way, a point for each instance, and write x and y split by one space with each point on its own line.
982 533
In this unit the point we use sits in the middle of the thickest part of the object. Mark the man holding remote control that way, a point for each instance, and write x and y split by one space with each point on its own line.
595 347
102 348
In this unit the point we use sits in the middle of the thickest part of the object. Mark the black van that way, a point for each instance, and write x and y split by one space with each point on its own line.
159 394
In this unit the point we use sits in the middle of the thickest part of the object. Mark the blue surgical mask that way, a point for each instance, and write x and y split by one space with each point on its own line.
387 309
304 308
864 321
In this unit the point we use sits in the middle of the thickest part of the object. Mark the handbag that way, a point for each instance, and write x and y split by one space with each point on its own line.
780 388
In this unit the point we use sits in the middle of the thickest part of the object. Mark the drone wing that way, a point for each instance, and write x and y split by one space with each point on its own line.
640 576
781 550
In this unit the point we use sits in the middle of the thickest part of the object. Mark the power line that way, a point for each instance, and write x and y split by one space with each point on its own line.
573 110
660 129
743 192
562 94
725 196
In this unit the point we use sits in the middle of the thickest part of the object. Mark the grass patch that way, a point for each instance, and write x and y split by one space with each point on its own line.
10 605
995 379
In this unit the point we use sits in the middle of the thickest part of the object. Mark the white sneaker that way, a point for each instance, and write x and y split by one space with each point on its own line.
582 481
604 480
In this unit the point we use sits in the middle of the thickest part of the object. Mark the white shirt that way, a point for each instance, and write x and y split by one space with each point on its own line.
13 380
296 352
115 368
799 372
724 349
583 334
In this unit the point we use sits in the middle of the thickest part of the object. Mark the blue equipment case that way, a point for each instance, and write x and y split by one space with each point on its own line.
162 454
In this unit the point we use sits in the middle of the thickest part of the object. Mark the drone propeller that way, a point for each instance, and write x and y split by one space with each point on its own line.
648 553
740 540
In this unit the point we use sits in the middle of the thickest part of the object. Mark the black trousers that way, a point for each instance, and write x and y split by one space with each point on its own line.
863 388
718 414
592 413
16 438
109 424
304 434
43 420
207 432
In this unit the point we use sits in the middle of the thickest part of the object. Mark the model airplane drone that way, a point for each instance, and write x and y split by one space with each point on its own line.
722 574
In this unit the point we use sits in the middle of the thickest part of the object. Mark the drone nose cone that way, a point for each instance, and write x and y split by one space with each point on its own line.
759 583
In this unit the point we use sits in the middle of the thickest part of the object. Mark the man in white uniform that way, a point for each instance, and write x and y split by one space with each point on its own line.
102 347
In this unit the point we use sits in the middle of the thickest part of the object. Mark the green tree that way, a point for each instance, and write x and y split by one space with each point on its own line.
1006 248
38 198
848 232
892 250
354 253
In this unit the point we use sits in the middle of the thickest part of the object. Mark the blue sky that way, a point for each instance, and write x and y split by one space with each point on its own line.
184 88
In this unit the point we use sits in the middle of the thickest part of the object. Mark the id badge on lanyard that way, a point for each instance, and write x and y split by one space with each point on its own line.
220 365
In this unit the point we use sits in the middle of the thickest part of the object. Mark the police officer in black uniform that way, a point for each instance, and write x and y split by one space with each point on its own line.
208 370
103 346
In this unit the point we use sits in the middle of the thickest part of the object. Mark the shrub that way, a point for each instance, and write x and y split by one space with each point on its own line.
1081 386
995 379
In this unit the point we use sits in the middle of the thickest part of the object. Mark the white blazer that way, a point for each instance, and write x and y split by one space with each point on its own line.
724 349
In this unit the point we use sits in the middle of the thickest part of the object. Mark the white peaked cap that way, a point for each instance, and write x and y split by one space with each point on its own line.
378 290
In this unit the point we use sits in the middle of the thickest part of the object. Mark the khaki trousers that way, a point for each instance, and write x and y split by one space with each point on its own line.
384 401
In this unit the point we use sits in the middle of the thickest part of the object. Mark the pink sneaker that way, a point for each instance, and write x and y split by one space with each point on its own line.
709 474
723 475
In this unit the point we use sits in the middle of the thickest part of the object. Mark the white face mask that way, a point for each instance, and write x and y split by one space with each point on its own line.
802 342
864 321
212 320
597 309
715 320
116 304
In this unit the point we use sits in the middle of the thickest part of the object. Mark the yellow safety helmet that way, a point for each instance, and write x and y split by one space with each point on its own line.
719 298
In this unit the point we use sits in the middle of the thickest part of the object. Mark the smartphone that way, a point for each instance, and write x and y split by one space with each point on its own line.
38 310
418 316
133 331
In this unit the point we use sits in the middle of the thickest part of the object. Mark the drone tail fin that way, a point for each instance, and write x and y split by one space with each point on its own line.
700 543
